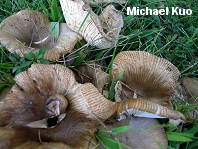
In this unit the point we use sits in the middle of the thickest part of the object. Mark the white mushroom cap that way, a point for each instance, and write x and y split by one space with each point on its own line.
28 31
81 19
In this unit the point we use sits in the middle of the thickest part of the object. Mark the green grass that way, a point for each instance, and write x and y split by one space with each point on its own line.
172 37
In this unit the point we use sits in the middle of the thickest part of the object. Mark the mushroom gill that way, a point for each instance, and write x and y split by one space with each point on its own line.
28 31
47 100
100 31
148 77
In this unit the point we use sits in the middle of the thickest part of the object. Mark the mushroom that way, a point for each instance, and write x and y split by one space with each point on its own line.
144 133
100 31
148 78
93 73
28 31
191 87
48 100
187 93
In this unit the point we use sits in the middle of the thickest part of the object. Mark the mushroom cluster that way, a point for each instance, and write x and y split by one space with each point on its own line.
47 104
48 107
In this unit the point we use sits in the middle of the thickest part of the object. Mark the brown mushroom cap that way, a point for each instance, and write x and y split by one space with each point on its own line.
43 94
101 31
191 87
149 76
28 31
44 145
145 108
94 104
148 83
187 93
19 138
12 137
145 133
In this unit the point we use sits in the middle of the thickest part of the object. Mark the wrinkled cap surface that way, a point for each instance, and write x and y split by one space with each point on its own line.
28 31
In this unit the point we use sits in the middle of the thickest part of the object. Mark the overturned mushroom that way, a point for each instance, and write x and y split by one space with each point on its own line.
148 77
93 73
191 87
48 100
144 133
187 93
101 31
28 31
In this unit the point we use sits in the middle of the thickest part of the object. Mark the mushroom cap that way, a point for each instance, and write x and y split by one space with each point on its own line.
191 87
149 76
144 133
12 137
47 98
32 90
145 108
28 31
76 130
19 138
94 104
101 31
94 74
187 93
43 145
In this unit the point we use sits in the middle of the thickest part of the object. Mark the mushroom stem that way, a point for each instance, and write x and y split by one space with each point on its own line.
55 105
